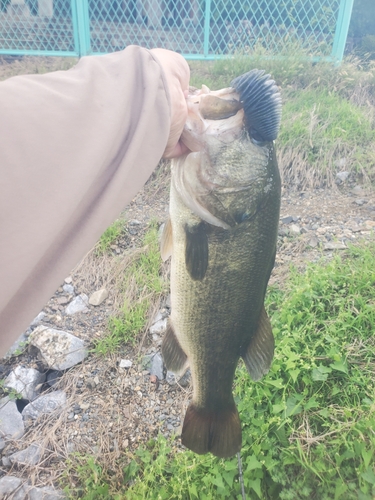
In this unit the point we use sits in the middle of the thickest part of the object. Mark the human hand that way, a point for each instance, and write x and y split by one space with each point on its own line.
177 74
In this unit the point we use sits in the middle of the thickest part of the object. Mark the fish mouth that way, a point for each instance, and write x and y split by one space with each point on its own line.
253 103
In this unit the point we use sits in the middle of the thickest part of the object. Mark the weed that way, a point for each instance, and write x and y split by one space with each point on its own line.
109 236
307 426
143 284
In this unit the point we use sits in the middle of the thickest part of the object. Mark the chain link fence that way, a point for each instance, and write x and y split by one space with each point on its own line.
199 29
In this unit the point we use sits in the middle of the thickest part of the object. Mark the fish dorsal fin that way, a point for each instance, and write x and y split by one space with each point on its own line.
166 243
196 251
259 354
174 357
262 104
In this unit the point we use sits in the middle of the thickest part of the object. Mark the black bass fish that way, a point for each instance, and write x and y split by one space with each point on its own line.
221 233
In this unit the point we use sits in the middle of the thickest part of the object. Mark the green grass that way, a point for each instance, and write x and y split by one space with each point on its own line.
308 426
142 284
109 237
328 113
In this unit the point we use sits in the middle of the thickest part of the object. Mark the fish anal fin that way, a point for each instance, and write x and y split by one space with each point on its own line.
196 251
259 354
166 243
216 432
174 357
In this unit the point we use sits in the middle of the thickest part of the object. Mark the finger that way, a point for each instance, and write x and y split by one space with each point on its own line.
177 150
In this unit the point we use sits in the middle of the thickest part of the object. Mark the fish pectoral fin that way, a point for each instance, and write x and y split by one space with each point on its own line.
259 354
166 243
196 251
217 432
174 357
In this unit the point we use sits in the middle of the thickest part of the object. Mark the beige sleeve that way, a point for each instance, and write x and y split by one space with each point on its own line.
75 148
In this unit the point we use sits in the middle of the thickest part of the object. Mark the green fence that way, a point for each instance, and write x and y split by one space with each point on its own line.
199 29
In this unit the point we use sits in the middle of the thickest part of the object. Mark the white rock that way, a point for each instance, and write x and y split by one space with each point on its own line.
334 245
68 289
98 297
159 327
68 280
44 404
294 229
25 381
29 456
60 350
157 366
125 363
11 423
8 484
78 304
33 493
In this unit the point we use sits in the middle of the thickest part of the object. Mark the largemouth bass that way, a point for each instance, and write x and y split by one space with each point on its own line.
221 233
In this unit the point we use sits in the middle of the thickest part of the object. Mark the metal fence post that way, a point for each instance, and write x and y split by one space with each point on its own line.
207 18
81 27
342 28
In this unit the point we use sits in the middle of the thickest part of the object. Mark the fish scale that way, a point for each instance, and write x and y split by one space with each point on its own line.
222 235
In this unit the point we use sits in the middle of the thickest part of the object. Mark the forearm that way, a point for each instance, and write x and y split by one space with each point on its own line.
75 147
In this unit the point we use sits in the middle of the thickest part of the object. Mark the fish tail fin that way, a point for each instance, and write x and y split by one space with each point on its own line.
217 432
259 354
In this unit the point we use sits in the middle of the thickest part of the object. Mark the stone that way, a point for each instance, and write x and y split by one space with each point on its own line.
342 176
287 220
18 347
78 304
11 423
294 229
369 224
25 381
183 381
68 280
313 242
159 327
62 300
33 493
168 302
38 319
8 484
125 363
360 201
2 445
60 350
334 245
43 405
98 297
358 190
157 366
29 456
68 289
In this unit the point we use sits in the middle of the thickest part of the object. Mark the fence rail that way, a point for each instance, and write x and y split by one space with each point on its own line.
199 29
